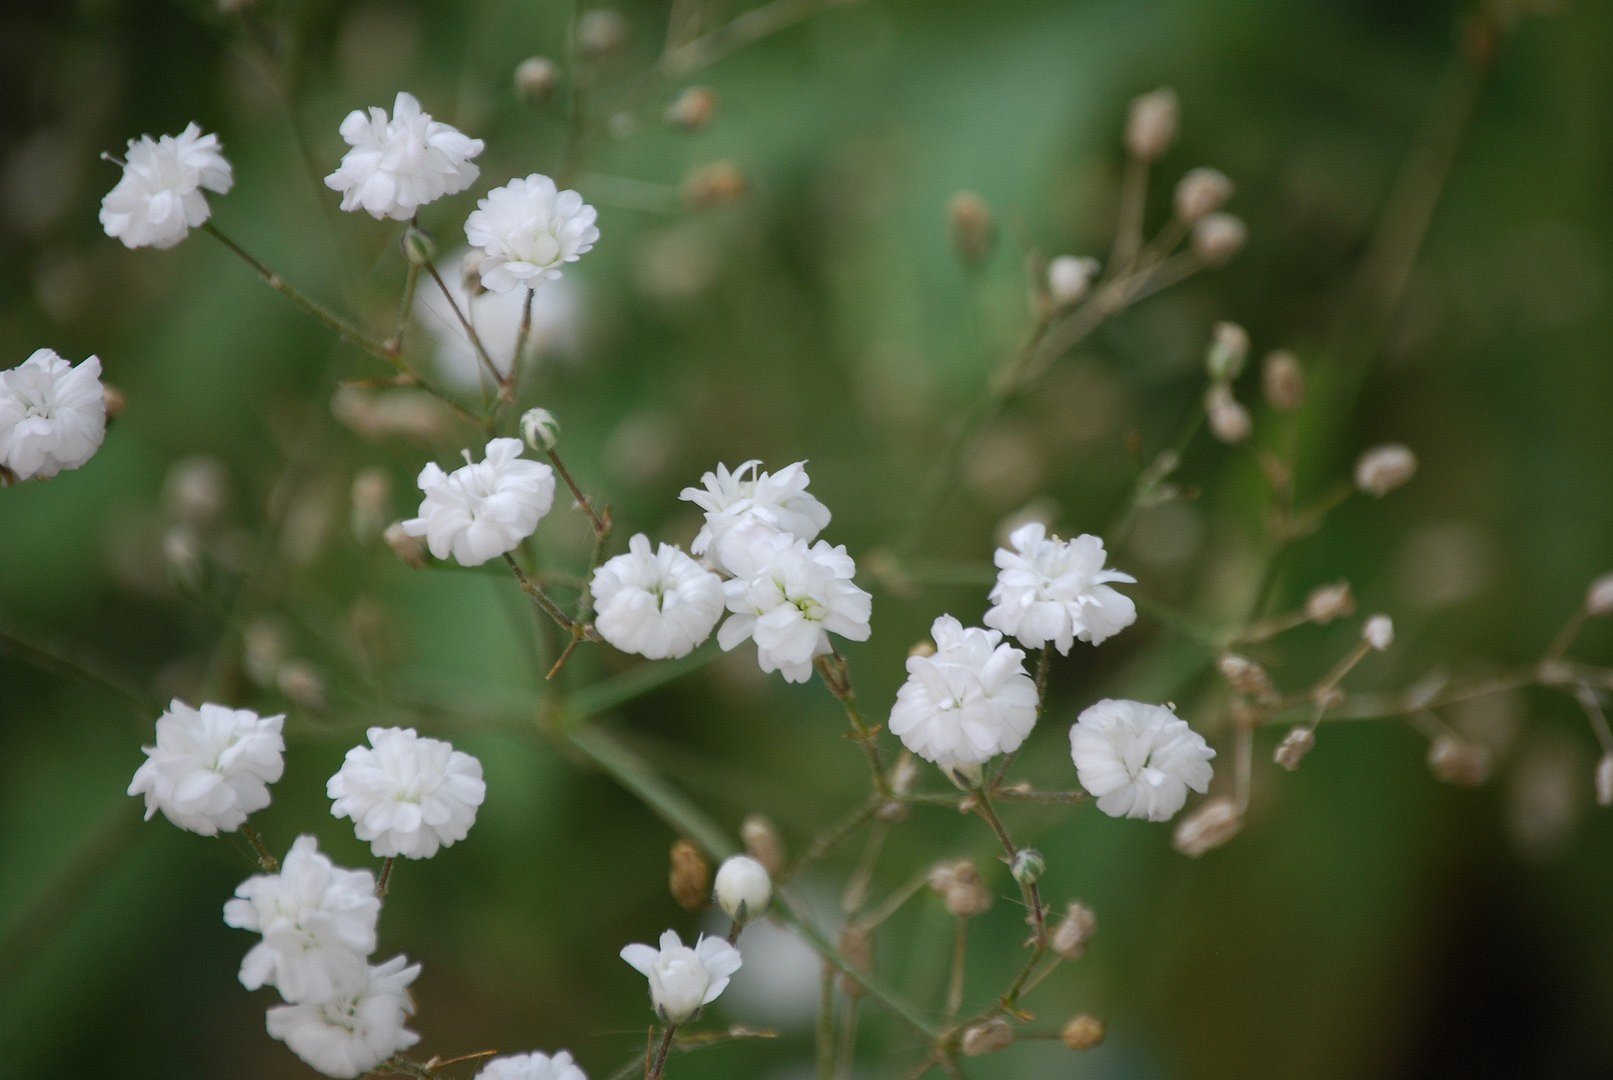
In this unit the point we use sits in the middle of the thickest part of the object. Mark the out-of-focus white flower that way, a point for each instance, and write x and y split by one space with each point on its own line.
407 795
1138 760
52 414
660 604
744 888
967 702
1069 277
356 1031
532 1067
211 766
1052 590
317 922
684 980
159 198
1379 632
789 598
747 505
482 509
1385 468
528 230
400 163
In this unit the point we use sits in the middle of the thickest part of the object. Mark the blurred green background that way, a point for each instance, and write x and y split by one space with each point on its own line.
1370 921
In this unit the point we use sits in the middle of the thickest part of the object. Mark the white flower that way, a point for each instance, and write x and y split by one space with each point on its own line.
399 164
683 980
1051 590
527 231
1069 277
358 1030
159 198
52 415
483 509
317 922
748 505
211 766
1385 468
744 888
659 604
789 598
968 702
1379 632
532 1067
407 796
1138 760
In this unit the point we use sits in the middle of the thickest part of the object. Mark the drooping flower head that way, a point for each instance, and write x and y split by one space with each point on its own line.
52 414
528 230
159 198
968 702
401 162
356 1031
211 766
532 1067
746 505
318 926
1052 590
407 795
659 604
684 980
788 598
1138 760
482 509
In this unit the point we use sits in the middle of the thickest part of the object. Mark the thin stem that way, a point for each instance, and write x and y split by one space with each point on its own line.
1129 224
464 321
601 524
266 858
960 955
836 678
826 1022
384 881
513 382
1033 895
411 283
658 1063
542 599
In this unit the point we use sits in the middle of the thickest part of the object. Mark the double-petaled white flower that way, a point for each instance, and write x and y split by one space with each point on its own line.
52 414
318 926
684 980
659 604
532 1067
356 1031
407 795
1052 590
211 766
747 506
968 702
1138 760
528 230
788 598
482 509
401 162
159 198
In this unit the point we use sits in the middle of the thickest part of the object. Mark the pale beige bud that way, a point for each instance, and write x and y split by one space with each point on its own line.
301 682
1229 420
372 496
1218 237
1201 192
1069 278
182 555
692 109
1385 468
115 401
689 876
1083 1032
263 650
392 414
961 888
196 491
470 272
1229 349
601 31
923 648
856 945
410 549
714 184
1247 677
1283 380
987 1037
904 774
970 225
965 776
1215 822
1379 632
1599 597
1074 931
1151 124
1604 780
1329 602
1455 760
536 78
763 842
1295 745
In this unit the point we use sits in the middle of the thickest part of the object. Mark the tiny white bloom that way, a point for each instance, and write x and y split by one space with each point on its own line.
1138 760
789 598
52 414
407 795
683 980
1379 632
968 702
482 509
532 1067
1385 468
659 604
211 766
1069 277
744 888
357 1031
317 921
748 505
159 198
400 163
528 230
1052 590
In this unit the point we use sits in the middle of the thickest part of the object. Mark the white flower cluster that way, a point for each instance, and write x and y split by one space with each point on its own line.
1052 590
52 415
211 766
407 796
401 162
527 230
482 509
684 980
1138 760
159 199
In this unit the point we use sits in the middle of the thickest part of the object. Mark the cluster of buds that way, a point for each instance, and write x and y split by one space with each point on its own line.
1224 361
1248 678
961 888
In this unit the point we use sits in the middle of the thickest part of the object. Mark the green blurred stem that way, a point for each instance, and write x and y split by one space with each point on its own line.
836 677
78 671
1032 894
470 331
266 859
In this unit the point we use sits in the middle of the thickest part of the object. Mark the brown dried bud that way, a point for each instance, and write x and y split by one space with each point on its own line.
1454 760
1215 822
961 888
987 1037
714 184
1283 380
1074 931
1329 602
970 225
690 876
1151 124
1229 421
1247 677
692 109
1295 745
1083 1032
763 842
1201 192
115 401
410 549
856 945
536 78
1384 468
1599 597
1218 237
1604 780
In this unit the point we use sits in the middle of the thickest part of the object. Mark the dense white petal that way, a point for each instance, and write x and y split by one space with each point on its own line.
528 230
482 509
1052 591
746 507
968 702
400 163
210 767
1138 760
406 795
683 979
52 415
159 199
788 598
659 604
356 1031
532 1067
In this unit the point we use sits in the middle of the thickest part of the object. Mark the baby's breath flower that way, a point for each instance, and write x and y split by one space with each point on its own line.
1211 825
400 163
744 888
407 795
658 603
1379 632
1218 237
1138 760
1052 590
1385 468
961 888
1069 278
532 1067
1295 745
788 598
684 980
159 198
746 506
483 509
527 230
1082 1032
358 1030
536 78
968 702
211 766
1200 192
1599 597
52 415
1151 124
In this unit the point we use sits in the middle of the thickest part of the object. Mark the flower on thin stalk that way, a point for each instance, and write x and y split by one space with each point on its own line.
532 1067
159 199
1052 590
658 603
1138 760
528 230
210 767
356 1031
788 598
401 162
968 701
684 980
407 796
482 509
52 415
746 506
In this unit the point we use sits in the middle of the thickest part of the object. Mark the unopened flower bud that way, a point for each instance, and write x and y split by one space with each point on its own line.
966 776
417 245
1215 822
1379 632
299 681
744 888
372 495
970 225
1070 937
1151 124
1083 1032
1295 745
1247 677
601 31
1069 277
115 401
923 648
1229 420
1218 237
1283 380
689 876
856 945
1599 597
904 774
1229 349
692 109
1201 192
762 842
182 555
470 273
1027 866
536 78
1329 602
410 549
1454 760
714 184
1604 780
961 888
196 490
987 1037
540 429
1384 468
